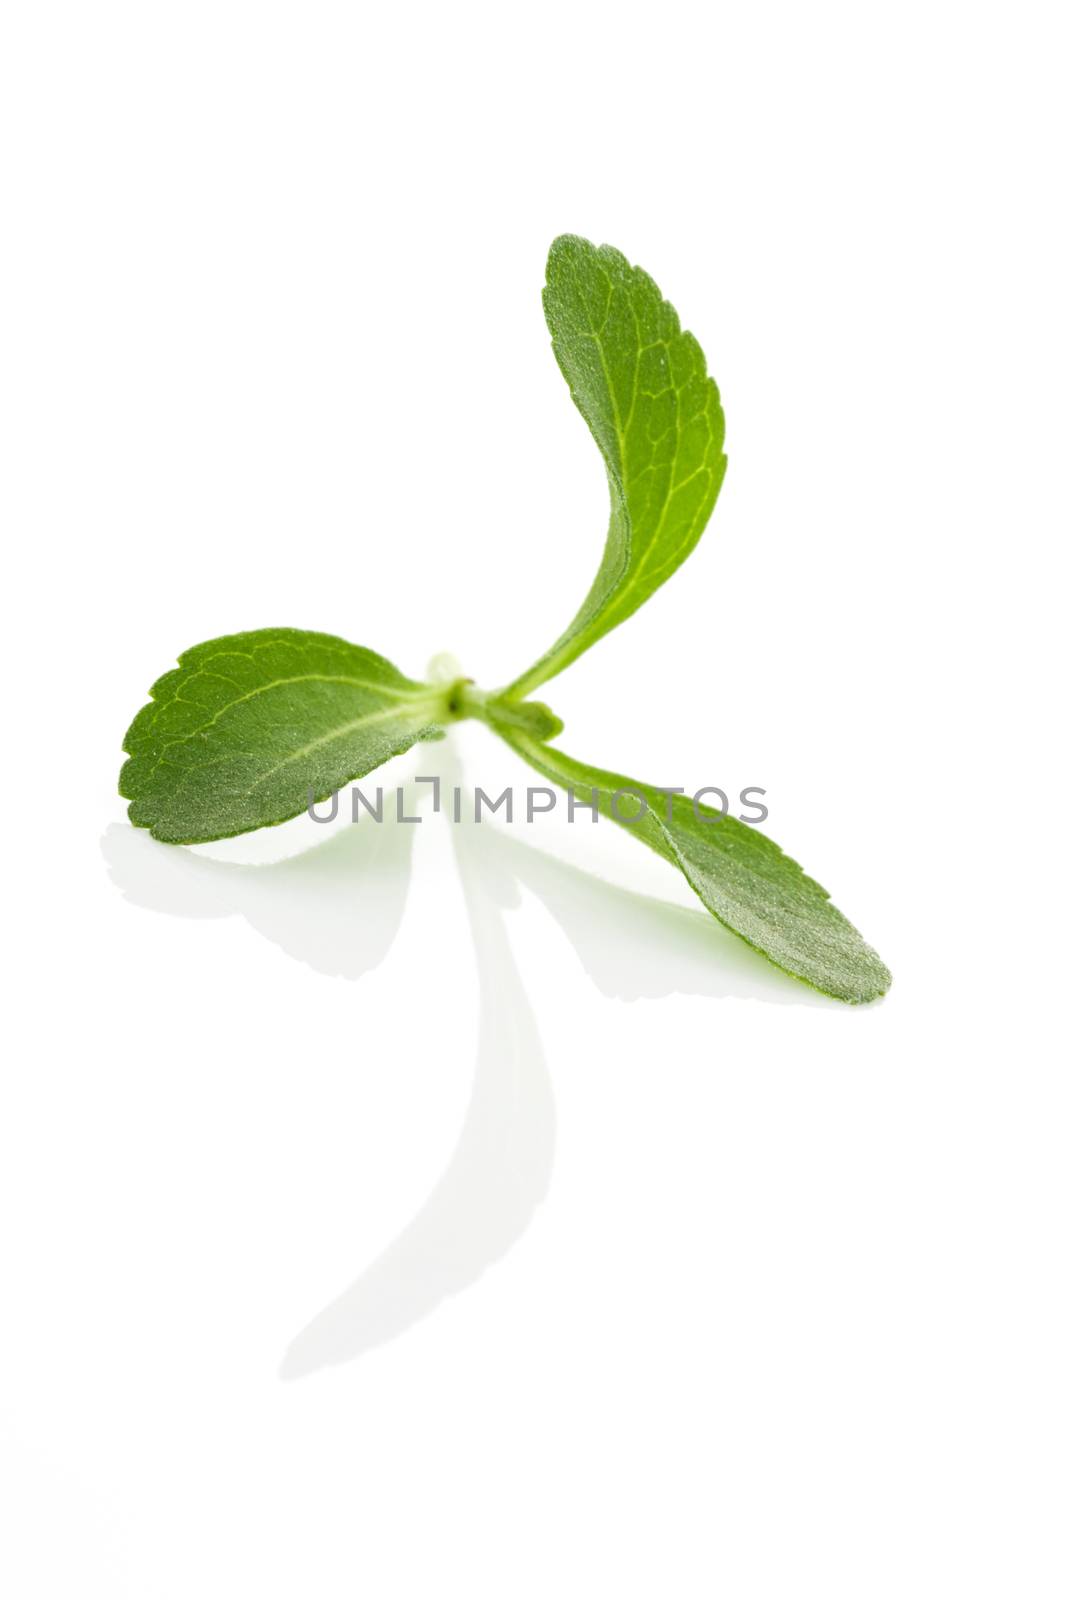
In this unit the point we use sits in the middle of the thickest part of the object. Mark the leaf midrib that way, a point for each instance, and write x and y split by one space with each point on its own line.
387 714
275 683
628 584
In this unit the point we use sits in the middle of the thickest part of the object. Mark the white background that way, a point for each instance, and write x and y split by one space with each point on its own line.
463 1213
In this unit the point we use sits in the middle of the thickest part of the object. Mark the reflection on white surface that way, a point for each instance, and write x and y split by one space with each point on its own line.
303 904
502 1162
632 946
499 1171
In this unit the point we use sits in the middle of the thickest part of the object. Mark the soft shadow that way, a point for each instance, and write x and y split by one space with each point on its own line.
498 1173
338 906
636 947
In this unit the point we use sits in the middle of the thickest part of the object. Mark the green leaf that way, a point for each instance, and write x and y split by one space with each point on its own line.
742 877
642 386
246 727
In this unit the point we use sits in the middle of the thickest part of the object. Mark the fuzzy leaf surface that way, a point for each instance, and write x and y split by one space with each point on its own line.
236 735
642 386
741 876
